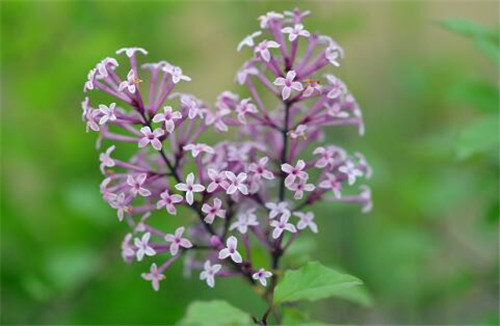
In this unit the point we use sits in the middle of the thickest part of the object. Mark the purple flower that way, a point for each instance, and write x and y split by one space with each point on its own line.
300 187
209 271
351 171
312 86
259 169
213 210
306 221
176 240
248 41
244 221
282 225
108 113
236 183
142 247
262 275
244 72
130 83
190 188
269 18
168 201
196 149
277 210
262 49
299 132
288 84
294 172
131 51
136 183
128 251
168 118
230 250
155 276
119 203
176 73
337 87
193 107
151 137
106 160
295 31
218 180
244 107
332 183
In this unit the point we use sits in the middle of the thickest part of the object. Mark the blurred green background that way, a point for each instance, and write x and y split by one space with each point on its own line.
428 252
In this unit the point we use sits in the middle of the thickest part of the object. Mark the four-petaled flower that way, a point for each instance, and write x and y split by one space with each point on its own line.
337 87
196 149
155 276
278 209
118 202
168 200
190 187
213 211
351 171
236 183
106 160
130 83
262 49
268 18
259 169
168 118
177 241
326 157
108 113
218 180
131 51
300 187
312 85
248 41
209 271
294 172
262 275
151 137
244 107
142 247
176 73
288 84
245 220
282 225
194 108
300 131
306 220
230 250
136 183
332 183
295 31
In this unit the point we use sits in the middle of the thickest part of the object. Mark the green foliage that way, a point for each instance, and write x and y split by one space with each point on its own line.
313 281
481 136
293 316
214 313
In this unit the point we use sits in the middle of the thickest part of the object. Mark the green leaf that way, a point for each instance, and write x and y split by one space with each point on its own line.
293 316
464 27
479 137
215 312
311 282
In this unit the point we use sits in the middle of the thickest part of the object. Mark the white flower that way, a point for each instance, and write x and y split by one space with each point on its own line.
248 41
230 250
245 220
262 49
288 84
190 188
236 183
262 276
108 113
295 31
306 220
282 225
131 51
278 209
168 118
143 247
209 272
154 276
351 171
177 241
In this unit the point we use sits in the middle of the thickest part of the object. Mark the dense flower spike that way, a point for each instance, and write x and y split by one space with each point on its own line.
259 185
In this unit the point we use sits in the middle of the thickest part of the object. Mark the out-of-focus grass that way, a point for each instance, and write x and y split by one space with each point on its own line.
428 252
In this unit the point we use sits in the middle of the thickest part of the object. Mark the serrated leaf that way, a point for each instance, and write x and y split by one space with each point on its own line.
313 281
479 137
216 313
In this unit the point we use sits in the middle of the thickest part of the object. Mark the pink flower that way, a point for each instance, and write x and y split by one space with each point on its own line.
268 18
213 211
262 275
243 73
177 241
294 172
131 51
236 183
306 220
259 169
196 149
209 271
331 183
103 66
337 87
89 84
326 157
262 49
168 201
217 119
282 225
190 188
332 55
288 84
108 113
176 73
312 85
106 160
154 276
130 83
151 137
295 31
245 220
351 171
128 251
300 187
118 202
300 131
136 183
193 107
244 107
218 180
248 41
230 250
278 209
142 247
168 118
335 111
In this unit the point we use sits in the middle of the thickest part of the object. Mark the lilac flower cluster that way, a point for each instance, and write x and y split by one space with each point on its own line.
255 186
